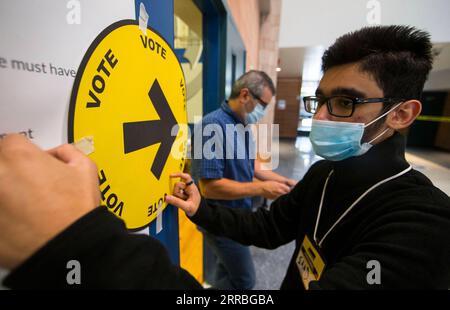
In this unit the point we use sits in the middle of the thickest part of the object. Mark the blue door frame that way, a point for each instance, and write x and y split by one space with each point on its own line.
161 19
214 55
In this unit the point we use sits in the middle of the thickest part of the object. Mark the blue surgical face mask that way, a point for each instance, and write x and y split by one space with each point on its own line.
340 140
256 114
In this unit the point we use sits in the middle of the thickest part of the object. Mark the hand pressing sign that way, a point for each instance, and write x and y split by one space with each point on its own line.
41 193
185 194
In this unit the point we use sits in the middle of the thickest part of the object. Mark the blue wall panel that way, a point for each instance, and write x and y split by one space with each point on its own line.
214 55
161 19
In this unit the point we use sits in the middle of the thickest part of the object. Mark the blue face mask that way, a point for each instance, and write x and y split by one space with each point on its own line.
340 140
256 114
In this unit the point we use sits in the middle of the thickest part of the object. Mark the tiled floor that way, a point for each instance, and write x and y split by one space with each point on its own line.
439 175
295 158
271 265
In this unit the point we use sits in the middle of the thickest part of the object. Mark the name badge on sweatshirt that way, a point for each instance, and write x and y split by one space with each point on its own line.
309 262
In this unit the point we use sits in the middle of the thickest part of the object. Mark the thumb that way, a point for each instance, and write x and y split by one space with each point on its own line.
67 153
177 202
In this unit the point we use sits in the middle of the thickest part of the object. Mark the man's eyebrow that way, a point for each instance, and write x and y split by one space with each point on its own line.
351 92
348 92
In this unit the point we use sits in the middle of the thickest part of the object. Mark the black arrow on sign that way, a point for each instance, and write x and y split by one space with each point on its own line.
138 135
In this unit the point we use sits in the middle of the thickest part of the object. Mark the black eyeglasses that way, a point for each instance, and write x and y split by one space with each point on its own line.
263 103
341 106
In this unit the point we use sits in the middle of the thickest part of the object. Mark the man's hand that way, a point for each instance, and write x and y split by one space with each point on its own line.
290 182
41 194
186 197
273 189
269 175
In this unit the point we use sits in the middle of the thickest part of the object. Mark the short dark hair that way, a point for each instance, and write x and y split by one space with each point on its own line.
254 80
399 58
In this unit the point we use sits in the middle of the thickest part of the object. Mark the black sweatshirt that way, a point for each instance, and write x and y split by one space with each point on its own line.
404 224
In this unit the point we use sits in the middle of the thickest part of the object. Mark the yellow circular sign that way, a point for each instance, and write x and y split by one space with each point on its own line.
129 96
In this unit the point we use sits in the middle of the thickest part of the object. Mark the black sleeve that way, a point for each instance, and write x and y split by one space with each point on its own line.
264 228
109 257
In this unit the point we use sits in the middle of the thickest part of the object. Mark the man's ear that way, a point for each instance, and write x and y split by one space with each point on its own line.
403 116
244 94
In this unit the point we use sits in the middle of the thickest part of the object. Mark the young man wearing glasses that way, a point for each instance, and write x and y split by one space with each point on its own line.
226 178
361 218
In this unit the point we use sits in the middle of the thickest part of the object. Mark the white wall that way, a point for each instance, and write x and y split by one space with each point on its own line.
320 22
43 32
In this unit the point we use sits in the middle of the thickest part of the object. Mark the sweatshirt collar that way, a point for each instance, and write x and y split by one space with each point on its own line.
226 107
380 162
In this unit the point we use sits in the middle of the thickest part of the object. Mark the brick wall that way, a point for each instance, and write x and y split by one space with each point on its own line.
246 16
260 35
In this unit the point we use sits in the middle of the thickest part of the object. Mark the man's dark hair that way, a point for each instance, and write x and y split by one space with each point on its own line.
254 80
399 58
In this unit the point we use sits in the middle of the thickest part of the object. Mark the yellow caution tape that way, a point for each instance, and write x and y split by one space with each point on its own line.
445 119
